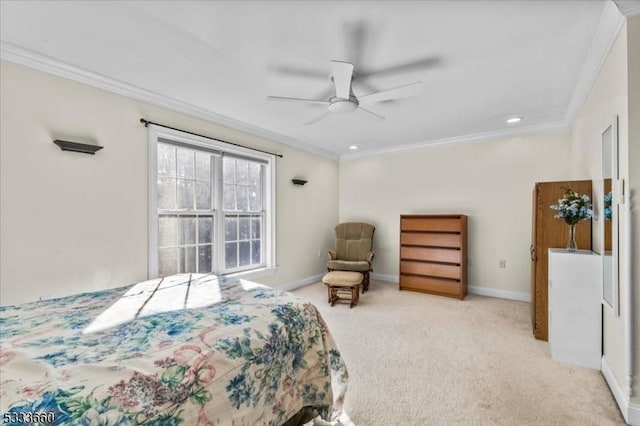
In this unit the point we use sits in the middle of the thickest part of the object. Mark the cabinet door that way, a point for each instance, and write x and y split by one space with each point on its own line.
532 252
551 232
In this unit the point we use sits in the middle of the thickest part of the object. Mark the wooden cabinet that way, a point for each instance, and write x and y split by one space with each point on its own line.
575 314
433 254
548 232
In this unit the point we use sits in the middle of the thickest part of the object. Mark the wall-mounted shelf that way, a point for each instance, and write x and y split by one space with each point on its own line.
77 147
298 181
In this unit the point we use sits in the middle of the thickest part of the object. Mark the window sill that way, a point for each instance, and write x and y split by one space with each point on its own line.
254 273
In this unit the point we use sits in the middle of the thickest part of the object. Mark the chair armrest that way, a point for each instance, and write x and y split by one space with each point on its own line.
370 256
331 254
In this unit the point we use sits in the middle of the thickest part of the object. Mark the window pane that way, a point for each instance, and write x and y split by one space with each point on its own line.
204 259
203 166
205 226
187 259
242 172
255 253
230 228
243 201
245 228
203 196
254 174
245 253
255 227
166 160
185 194
166 193
228 195
228 170
167 261
167 231
231 255
185 163
187 230
255 199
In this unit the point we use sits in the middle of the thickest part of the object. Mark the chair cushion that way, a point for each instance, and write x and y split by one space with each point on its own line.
346 265
342 278
353 240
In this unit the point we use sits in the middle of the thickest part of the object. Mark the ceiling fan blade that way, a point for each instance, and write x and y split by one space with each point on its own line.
411 89
309 101
315 120
342 73
372 113
406 67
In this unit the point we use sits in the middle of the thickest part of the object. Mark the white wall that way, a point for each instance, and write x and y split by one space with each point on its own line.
74 222
490 180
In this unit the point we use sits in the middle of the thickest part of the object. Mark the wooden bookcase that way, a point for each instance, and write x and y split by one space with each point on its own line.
433 254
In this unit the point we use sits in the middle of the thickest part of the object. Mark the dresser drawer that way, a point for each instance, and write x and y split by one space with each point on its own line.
430 285
431 269
437 224
431 239
430 254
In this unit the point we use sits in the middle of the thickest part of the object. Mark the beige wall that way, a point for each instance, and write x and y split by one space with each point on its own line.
72 222
608 96
633 164
616 90
491 181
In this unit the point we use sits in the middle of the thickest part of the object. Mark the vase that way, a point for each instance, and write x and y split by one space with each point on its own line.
571 242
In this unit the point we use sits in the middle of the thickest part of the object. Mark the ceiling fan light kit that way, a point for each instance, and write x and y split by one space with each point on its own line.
345 101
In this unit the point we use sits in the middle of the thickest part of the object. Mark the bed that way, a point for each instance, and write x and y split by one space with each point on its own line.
187 349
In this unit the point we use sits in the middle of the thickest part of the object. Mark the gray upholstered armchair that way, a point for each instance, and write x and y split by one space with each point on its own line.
353 249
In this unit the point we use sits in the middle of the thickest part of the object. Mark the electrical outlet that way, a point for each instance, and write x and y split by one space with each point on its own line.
469 261
319 253
502 264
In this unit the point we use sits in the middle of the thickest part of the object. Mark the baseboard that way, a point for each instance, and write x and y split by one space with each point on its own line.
629 410
500 294
480 291
301 283
633 418
387 278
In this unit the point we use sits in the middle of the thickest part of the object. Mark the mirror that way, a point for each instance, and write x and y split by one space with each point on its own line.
609 217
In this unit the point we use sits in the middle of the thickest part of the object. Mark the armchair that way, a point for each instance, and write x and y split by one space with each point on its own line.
353 250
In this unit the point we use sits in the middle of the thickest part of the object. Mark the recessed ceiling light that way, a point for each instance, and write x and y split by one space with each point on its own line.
354 147
514 120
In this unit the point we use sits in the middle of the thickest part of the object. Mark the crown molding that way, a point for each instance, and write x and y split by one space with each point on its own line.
477 137
628 7
607 31
12 53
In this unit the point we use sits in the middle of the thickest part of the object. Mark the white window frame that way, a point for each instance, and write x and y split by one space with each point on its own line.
268 246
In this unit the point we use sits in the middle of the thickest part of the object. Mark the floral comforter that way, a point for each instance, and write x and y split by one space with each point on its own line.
186 349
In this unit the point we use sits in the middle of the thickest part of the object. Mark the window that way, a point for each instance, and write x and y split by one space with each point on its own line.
210 206
243 212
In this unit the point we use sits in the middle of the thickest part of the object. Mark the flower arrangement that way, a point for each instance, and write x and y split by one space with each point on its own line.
607 206
573 207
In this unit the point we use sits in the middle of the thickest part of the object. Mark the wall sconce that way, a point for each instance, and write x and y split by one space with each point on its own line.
77 147
298 181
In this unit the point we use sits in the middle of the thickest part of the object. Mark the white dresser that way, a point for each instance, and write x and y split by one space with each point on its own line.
575 312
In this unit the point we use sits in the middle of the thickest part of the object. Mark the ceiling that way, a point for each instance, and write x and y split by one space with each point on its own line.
480 62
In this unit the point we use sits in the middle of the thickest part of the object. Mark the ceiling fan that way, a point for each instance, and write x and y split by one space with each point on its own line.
345 101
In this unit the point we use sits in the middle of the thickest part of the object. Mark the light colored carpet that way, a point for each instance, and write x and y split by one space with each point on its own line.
417 359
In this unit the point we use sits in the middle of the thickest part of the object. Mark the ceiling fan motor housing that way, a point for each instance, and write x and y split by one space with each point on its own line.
342 105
